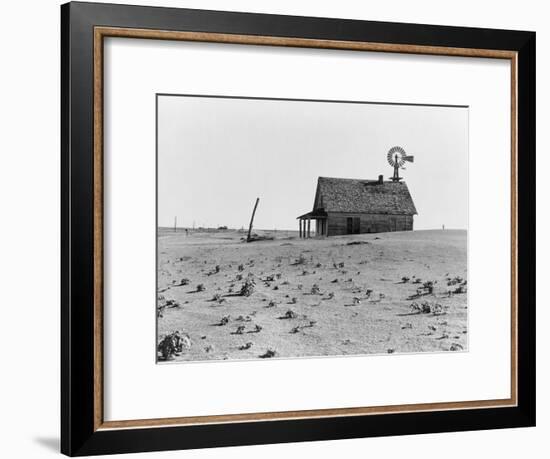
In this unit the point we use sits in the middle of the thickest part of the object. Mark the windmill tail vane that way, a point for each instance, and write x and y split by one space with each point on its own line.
397 157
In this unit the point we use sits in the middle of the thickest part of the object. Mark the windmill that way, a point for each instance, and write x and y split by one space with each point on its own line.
397 158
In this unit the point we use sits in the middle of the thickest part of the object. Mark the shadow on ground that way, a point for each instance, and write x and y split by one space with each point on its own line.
51 443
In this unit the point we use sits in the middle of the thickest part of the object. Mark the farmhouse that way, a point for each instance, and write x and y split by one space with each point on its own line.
351 206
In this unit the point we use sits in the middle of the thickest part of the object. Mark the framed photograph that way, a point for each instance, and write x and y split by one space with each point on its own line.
281 229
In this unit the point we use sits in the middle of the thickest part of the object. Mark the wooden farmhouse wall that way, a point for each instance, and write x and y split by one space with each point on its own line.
368 223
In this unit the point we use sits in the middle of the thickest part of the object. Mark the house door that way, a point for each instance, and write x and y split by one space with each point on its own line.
354 225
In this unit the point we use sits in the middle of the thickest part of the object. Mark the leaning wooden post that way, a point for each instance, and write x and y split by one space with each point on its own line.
252 220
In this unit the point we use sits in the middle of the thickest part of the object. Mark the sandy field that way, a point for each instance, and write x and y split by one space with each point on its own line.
390 293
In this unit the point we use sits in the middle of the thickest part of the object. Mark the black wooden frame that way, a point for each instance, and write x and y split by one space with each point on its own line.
77 244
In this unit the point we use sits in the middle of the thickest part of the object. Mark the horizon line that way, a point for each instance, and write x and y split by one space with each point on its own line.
284 229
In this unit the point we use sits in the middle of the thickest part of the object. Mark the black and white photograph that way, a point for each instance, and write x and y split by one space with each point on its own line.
242 229
310 228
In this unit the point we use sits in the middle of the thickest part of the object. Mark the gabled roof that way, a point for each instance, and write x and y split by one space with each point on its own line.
363 196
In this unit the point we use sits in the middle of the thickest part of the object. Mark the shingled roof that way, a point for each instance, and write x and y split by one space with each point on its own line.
363 196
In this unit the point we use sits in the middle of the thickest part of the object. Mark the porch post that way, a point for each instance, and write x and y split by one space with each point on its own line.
300 222
309 227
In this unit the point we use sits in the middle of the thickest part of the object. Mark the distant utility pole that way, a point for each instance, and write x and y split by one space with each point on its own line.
252 220
175 224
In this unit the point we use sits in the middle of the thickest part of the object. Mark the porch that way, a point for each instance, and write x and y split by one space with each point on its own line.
321 223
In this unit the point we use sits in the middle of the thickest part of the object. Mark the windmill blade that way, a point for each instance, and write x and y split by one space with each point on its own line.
408 158
395 151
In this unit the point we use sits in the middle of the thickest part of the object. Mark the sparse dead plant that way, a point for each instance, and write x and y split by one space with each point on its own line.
290 314
268 354
224 321
248 287
172 345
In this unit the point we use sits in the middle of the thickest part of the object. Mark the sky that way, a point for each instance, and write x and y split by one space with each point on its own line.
217 155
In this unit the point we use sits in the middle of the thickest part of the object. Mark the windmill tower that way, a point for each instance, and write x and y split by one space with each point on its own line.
397 158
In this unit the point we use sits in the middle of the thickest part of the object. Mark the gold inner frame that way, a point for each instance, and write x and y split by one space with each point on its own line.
99 34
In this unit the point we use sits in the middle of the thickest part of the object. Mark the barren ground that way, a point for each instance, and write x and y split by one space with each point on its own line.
338 317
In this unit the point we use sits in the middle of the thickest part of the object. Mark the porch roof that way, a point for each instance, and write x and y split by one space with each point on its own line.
317 213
